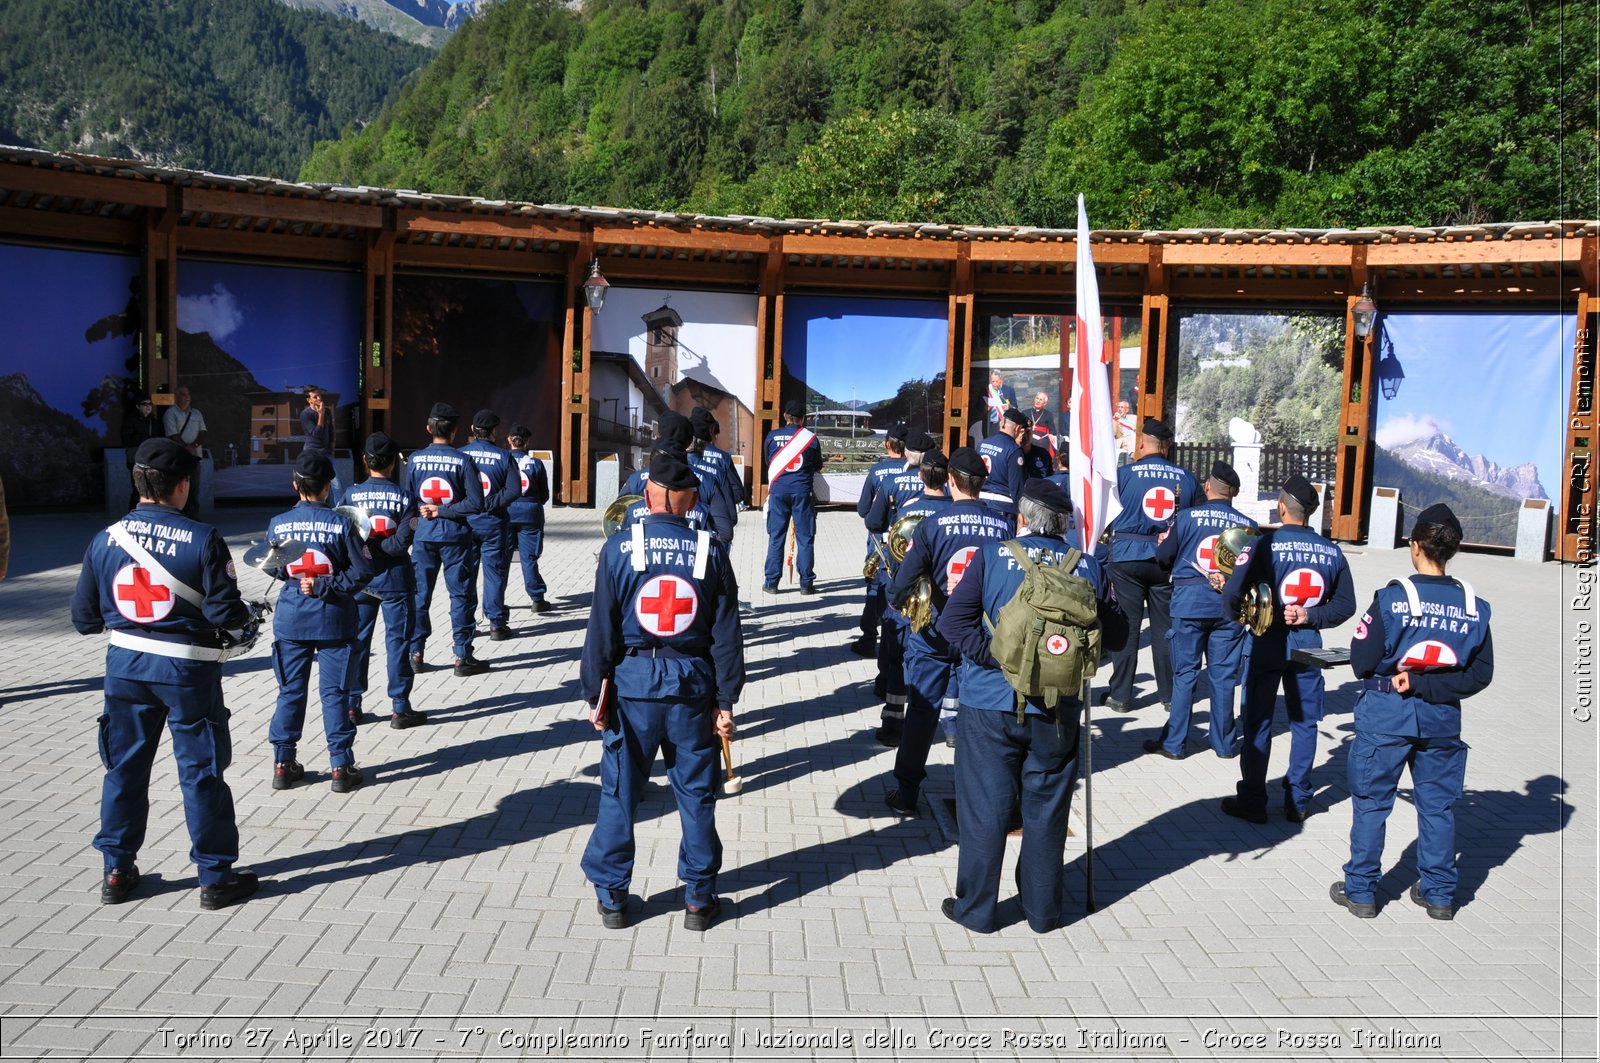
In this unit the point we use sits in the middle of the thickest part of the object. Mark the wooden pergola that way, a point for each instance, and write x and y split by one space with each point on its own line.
163 214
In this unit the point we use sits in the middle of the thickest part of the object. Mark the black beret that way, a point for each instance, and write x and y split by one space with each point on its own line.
486 419
1048 494
899 431
921 441
965 459
1017 417
673 432
670 470
443 411
1299 488
1156 428
1437 515
520 431
933 458
1222 472
314 465
794 408
163 455
382 447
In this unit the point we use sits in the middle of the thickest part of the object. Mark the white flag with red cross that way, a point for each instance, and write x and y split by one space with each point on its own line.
1093 461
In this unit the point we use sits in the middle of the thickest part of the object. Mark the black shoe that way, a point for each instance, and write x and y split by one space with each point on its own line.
347 779
117 883
542 606
770 588
1232 806
1151 745
286 773
1293 814
899 805
887 736
1117 706
469 666
700 919
417 664
1435 911
357 717
808 589
1232 754
950 739
949 910
241 886
1357 909
864 647
501 633
407 718
614 918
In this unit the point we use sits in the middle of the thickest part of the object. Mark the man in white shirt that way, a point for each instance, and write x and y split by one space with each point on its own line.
186 426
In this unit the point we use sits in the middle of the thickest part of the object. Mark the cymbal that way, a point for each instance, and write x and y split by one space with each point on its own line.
270 555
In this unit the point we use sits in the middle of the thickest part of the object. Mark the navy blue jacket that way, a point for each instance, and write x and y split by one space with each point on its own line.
724 463
695 618
1003 458
698 517
1302 568
443 476
716 489
1152 490
1189 543
899 490
498 478
796 480
394 522
1447 651
114 592
340 563
924 505
877 476
528 507
942 547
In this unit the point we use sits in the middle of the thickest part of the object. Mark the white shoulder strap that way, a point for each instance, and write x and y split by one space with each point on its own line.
1472 599
638 546
1413 603
122 537
702 553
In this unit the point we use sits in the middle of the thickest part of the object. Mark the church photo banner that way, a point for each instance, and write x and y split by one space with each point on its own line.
1472 412
68 371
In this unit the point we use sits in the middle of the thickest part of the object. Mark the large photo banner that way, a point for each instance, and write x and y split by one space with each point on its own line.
860 365
69 370
478 343
1472 412
253 341
658 349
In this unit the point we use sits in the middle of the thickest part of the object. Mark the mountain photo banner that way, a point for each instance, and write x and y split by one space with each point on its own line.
1471 411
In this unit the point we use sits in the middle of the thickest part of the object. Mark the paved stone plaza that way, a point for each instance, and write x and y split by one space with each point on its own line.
440 911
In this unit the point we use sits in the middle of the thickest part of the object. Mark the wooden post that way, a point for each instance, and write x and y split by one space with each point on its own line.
376 357
1154 325
159 330
572 443
769 363
1353 455
958 349
1575 533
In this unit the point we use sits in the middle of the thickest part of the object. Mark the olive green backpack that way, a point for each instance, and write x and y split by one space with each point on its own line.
1046 639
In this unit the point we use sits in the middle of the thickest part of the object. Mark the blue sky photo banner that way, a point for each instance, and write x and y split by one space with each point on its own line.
1471 412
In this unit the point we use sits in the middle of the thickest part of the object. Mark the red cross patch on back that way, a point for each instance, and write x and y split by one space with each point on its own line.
666 605
1303 586
1426 655
1205 555
311 563
1159 503
140 597
957 566
436 491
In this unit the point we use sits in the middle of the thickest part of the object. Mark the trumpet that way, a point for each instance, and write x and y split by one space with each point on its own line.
1255 609
611 520
919 606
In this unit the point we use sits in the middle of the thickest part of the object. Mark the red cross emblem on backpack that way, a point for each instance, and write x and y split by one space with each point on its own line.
1056 645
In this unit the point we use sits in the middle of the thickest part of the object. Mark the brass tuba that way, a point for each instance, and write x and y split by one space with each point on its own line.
611 520
1255 609
918 609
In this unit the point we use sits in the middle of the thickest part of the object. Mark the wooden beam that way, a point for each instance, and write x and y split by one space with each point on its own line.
1352 464
769 366
1575 520
282 208
532 265
696 240
882 247
270 245
1264 291
516 227
1256 254
1475 252
671 273
55 227
958 352
1062 253
40 181
857 280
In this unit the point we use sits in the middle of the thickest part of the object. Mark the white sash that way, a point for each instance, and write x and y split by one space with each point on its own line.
788 453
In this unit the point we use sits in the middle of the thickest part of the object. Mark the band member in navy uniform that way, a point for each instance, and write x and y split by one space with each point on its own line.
1002 456
894 448
527 514
716 486
998 758
1037 462
901 487
315 621
1198 625
941 549
1151 490
793 456
1311 590
491 525
445 485
169 614
1422 647
393 587
713 453
674 433
664 633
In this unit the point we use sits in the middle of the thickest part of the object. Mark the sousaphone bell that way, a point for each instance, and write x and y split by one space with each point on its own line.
1255 608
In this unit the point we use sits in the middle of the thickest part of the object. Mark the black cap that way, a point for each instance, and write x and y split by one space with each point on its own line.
1017 417
142 398
794 408
966 460
704 425
314 465
673 432
1048 494
1156 428
933 458
1299 488
485 420
921 441
1437 515
520 431
382 447
1224 473
670 470
163 455
898 431
443 411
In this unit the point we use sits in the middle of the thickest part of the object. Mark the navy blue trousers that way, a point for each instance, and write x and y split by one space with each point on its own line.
491 551
130 732
455 560
930 685
291 663
1222 643
781 505
1438 774
1142 584
530 546
1302 699
398 627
